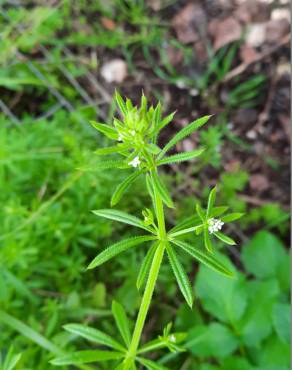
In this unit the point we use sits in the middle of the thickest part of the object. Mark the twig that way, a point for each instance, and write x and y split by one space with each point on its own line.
243 66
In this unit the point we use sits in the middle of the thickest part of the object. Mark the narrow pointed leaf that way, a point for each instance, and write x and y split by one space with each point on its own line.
207 241
150 365
103 165
186 131
217 211
120 216
85 357
206 259
121 103
11 360
231 217
122 322
161 189
200 212
123 186
145 267
180 157
211 201
112 149
181 276
107 130
93 335
165 122
118 248
224 238
188 222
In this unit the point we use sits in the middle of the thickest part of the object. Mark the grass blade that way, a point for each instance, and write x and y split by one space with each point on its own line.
118 248
206 259
181 276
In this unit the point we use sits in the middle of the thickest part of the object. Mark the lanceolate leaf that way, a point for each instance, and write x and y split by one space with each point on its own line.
121 322
150 365
145 267
180 157
160 188
186 131
118 248
11 360
104 165
123 186
211 201
207 259
94 335
84 357
231 217
112 149
181 276
120 216
217 211
162 124
200 212
107 130
207 241
188 222
121 103
224 238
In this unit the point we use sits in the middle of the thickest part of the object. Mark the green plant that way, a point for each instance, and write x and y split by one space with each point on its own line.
137 136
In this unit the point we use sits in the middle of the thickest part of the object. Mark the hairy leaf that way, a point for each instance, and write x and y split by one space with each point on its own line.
181 276
206 259
180 157
231 217
224 238
161 189
93 335
145 267
186 131
123 186
122 322
211 201
118 248
107 130
120 216
84 357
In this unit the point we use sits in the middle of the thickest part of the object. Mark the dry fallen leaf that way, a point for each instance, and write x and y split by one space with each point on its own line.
224 31
108 23
258 182
248 54
276 29
114 71
189 23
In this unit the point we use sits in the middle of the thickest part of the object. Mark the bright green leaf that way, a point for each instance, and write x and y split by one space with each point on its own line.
123 186
181 276
93 335
224 238
206 259
231 217
145 267
107 130
186 131
282 321
84 357
121 322
211 201
207 241
161 189
118 248
181 157
150 365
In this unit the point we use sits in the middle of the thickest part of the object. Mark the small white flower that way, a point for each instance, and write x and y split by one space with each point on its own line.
214 225
135 162
146 218
120 138
172 338
133 132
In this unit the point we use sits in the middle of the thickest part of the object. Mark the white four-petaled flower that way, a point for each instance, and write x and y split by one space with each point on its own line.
172 338
214 225
135 162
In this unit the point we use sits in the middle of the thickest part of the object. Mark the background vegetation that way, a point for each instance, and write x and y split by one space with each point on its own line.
56 74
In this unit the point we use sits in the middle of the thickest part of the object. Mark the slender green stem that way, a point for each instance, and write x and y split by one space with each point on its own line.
150 285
